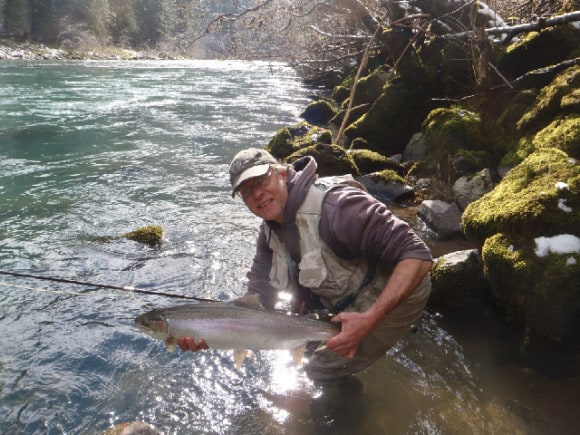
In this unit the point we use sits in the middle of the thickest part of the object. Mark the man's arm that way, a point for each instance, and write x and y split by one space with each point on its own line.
405 278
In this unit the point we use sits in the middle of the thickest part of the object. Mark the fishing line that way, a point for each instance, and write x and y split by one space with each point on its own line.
107 286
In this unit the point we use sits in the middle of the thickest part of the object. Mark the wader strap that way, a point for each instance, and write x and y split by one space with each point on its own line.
345 302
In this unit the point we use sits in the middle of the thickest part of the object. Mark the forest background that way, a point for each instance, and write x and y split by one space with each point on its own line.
315 36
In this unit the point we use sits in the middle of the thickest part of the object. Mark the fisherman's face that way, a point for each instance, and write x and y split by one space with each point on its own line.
266 196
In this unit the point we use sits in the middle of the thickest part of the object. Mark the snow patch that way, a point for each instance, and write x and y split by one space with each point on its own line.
560 244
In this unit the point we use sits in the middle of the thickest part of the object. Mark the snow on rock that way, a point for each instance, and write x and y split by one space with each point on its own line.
560 244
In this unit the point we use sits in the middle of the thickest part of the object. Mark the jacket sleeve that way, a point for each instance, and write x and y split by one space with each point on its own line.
259 274
354 224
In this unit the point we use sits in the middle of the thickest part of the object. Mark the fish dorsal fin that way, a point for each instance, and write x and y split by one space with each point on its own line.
251 300
297 355
239 356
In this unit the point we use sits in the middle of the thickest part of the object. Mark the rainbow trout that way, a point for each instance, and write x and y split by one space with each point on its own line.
243 325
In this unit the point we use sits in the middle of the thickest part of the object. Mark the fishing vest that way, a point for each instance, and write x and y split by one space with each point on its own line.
341 284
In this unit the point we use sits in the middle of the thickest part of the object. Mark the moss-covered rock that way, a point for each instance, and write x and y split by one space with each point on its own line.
563 133
540 293
340 93
393 118
449 131
559 98
331 159
369 88
528 202
539 49
459 284
370 161
318 113
150 235
516 108
288 140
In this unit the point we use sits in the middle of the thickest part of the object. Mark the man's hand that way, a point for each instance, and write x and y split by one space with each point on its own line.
189 343
355 327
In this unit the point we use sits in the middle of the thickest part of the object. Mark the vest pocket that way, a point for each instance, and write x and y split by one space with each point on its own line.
312 269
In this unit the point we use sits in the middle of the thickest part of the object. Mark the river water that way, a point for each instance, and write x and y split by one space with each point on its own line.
92 150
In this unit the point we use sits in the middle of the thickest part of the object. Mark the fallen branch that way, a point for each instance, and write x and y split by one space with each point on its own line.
512 31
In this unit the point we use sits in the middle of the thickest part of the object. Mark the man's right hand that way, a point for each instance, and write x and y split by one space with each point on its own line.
189 343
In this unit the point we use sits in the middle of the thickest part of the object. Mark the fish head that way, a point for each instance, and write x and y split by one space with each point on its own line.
152 323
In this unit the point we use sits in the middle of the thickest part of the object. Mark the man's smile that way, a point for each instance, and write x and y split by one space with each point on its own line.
265 203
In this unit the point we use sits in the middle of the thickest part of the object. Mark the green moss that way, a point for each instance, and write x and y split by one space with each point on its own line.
150 235
525 203
386 175
288 140
392 119
447 131
540 293
563 133
331 159
369 161
559 98
516 108
369 88
340 94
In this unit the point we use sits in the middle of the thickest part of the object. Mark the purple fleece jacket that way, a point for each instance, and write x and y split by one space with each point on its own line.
353 224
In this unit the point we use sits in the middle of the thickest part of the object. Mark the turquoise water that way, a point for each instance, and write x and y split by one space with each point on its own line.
92 150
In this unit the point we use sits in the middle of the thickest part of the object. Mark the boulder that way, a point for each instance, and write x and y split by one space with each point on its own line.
468 189
370 161
318 113
386 186
442 217
459 284
331 159
536 284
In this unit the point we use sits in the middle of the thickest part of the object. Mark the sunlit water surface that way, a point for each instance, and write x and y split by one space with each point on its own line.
92 150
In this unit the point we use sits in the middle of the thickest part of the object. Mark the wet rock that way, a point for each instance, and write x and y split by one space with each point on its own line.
442 217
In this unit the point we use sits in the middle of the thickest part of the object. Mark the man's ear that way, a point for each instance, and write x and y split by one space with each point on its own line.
283 173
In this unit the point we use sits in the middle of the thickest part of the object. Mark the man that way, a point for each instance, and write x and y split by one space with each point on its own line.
333 247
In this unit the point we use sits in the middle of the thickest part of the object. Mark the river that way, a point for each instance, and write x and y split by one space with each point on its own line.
92 150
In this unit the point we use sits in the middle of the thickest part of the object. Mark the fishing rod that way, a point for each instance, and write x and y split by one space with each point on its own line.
107 286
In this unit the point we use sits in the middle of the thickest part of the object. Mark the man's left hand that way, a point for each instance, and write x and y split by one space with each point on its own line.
355 327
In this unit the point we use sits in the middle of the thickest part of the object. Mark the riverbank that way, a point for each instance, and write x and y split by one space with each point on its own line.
11 49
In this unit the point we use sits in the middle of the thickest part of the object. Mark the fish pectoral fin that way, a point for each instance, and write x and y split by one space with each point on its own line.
297 355
170 344
239 356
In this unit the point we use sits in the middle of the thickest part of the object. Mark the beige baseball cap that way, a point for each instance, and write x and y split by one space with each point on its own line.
249 163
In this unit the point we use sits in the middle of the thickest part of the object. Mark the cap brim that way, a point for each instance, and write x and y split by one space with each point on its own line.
254 171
